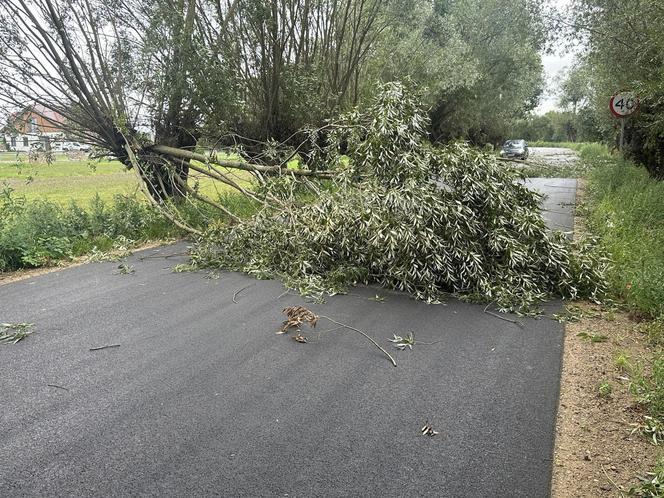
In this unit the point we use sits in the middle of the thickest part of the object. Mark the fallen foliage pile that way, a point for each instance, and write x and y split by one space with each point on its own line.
409 216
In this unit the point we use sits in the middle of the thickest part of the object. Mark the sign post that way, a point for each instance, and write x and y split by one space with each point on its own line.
622 105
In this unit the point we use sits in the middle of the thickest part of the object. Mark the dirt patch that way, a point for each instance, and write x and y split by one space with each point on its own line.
596 452
15 276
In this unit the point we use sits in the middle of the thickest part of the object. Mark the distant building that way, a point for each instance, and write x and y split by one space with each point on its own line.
34 127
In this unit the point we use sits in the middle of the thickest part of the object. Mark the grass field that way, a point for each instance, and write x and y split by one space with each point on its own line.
81 180
66 179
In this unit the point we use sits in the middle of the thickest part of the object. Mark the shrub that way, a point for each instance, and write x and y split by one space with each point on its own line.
41 232
627 212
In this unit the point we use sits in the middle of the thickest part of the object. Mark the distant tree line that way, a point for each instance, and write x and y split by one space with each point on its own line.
205 69
559 126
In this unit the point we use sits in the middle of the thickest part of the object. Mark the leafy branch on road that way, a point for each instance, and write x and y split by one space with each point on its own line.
400 213
11 333
298 315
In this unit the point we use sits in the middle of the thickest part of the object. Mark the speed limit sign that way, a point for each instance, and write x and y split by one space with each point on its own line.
623 104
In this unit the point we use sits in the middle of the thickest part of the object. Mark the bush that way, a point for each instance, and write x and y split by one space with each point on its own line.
41 233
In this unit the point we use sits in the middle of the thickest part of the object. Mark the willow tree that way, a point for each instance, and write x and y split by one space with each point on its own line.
107 78
429 221
393 209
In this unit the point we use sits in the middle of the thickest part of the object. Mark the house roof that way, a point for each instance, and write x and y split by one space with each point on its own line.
46 120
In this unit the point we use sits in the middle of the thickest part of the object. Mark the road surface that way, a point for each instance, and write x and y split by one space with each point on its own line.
201 398
553 155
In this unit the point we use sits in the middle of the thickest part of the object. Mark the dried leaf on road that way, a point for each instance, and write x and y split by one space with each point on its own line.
296 316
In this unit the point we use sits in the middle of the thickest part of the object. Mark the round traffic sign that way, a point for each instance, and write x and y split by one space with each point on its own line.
623 104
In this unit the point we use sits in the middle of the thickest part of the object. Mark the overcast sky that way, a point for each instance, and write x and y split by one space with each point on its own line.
553 63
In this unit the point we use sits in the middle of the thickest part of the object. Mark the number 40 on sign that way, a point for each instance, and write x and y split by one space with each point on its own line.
623 104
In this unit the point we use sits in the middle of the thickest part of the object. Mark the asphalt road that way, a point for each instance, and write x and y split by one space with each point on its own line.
558 203
554 155
201 398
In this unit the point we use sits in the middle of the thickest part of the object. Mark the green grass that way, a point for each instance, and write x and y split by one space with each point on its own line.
67 180
626 209
651 485
53 212
627 212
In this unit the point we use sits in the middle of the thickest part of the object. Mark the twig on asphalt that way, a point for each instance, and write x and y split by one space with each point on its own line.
166 256
326 331
516 322
365 335
105 347
57 386
612 481
240 290
283 293
427 343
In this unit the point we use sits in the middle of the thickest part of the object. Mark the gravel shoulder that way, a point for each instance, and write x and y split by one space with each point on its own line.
596 451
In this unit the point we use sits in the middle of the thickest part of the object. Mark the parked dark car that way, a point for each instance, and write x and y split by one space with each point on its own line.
515 148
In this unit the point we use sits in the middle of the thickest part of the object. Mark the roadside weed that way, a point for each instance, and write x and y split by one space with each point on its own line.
652 428
604 389
627 213
654 331
592 337
648 389
41 233
651 485
622 363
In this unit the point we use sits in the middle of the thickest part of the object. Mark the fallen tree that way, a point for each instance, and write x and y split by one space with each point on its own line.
76 59
379 203
409 216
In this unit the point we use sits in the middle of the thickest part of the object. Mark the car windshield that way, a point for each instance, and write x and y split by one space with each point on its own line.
513 143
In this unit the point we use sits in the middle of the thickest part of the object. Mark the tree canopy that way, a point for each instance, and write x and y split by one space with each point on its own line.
203 70
251 86
622 50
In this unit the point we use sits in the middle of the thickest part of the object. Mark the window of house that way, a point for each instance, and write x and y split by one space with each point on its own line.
25 141
12 141
33 125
